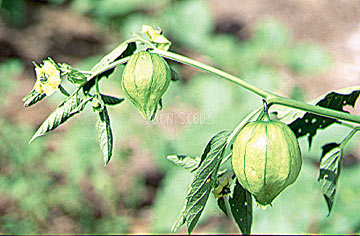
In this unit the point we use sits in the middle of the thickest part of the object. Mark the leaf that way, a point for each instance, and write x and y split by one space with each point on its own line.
62 113
63 91
123 50
222 205
184 161
241 208
204 180
32 93
76 77
307 123
217 138
160 104
175 76
32 98
105 136
181 220
114 55
330 164
110 100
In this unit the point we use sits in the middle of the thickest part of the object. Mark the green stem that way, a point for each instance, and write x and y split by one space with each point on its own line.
348 125
349 136
214 71
225 159
85 72
108 67
97 86
268 96
314 109
94 74
244 121
266 111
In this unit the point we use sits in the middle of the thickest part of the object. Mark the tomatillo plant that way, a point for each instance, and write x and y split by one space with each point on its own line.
266 156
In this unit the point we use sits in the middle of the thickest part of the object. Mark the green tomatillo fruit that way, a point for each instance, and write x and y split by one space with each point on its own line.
266 159
145 79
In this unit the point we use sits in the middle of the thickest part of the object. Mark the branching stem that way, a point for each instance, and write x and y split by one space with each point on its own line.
268 96
349 136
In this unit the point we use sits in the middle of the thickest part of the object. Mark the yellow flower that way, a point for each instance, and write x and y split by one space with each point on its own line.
48 78
156 37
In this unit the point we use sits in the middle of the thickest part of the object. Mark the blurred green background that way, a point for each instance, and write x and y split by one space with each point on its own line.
58 184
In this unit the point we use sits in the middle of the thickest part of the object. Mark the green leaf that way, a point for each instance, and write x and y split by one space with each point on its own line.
63 91
160 104
125 49
62 113
175 76
184 161
241 208
110 100
330 164
222 205
32 98
218 138
114 55
76 77
181 220
307 124
204 181
105 136
28 96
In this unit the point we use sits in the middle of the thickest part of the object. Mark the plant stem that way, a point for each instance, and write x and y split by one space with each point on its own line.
314 109
108 67
94 74
268 96
266 111
243 122
225 159
349 136
214 71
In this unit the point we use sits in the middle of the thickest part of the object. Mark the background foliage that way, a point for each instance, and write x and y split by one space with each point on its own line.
58 184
